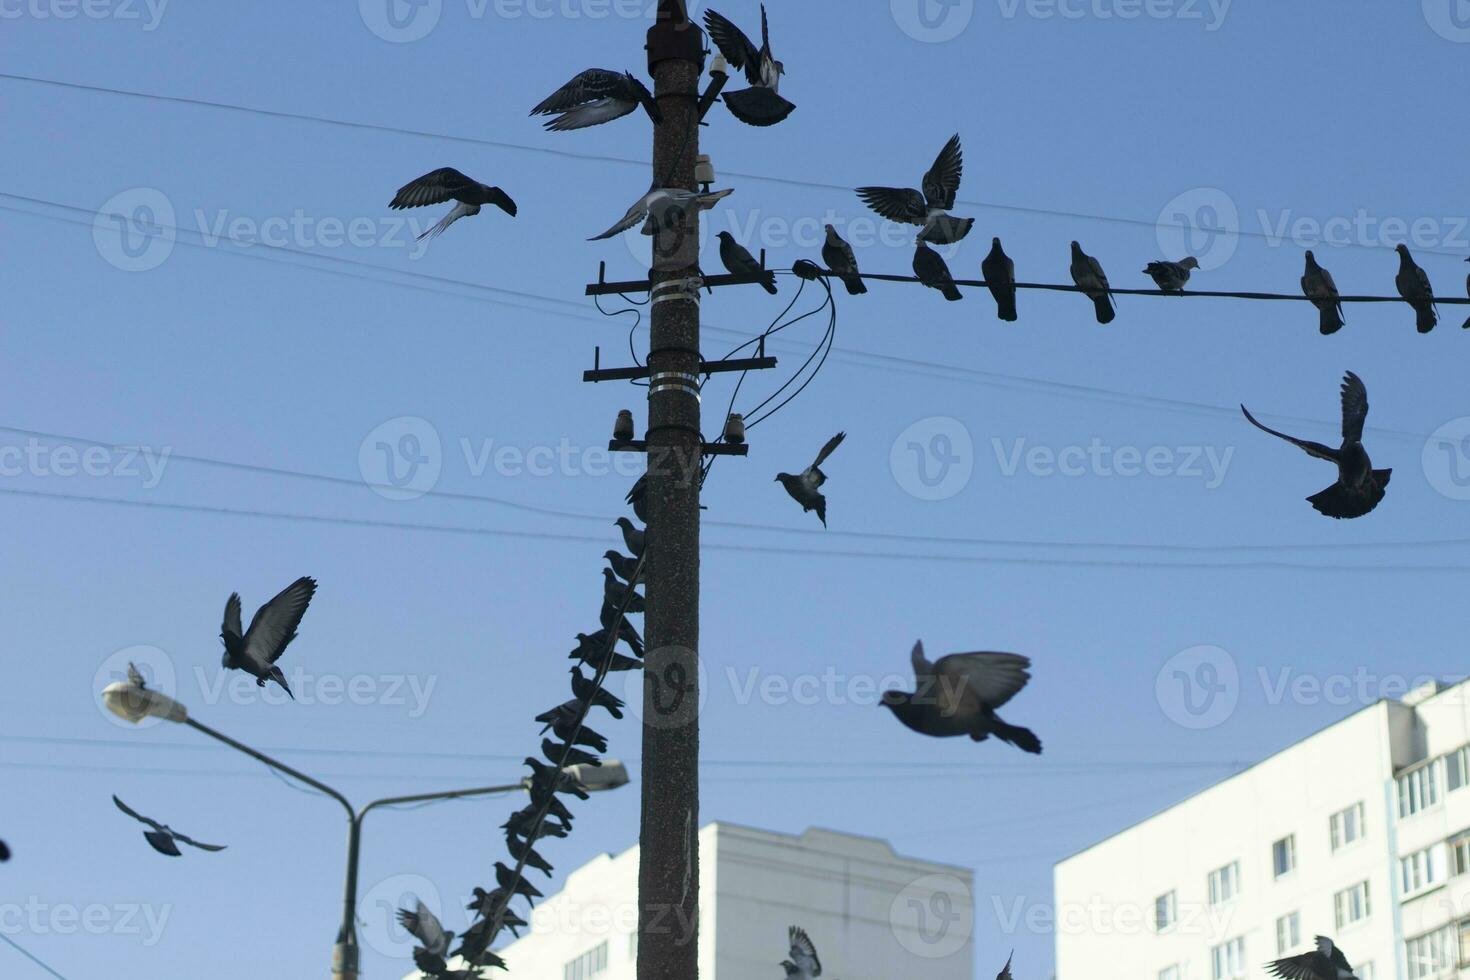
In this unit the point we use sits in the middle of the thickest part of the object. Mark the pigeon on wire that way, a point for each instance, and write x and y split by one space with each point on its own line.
739 262
1359 486
563 720
615 594
801 962
609 618
425 926
448 184
959 693
805 487
761 104
1413 284
1171 276
256 650
485 904
521 822
508 880
999 273
434 965
555 752
594 97
522 851
837 253
928 209
1326 962
1088 274
930 268
586 691
1466 324
474 946
632 536
1318 286
557 780
663 207
624 567
162 838
592 649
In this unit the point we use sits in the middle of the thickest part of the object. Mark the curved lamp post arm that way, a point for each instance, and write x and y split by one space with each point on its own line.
274 764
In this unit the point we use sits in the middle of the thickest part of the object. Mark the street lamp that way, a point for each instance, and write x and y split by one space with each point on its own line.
133 703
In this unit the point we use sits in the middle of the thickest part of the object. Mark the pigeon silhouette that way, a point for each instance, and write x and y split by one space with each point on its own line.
633 537
761 104
1088 274
615 594
1413 286
739 262
474 946
931 270
1359 486
663 207
544 776
801 962
433 965
999 273
486 904
596 96
610 618
425 926
929 208
958 695
162 838
522 851
508 880
638 498
584 690
274 627
1318 286
523 820
592 649
805 487
1005 971
448 184
1171 276
553 751
624 567
1326 962
837 253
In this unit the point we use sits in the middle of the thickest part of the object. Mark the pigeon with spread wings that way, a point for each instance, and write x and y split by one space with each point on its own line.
596 96
761 104
1326 962
662 207
1359 486
801 961
959 693
805 487
256 650
929 208
426 928
448 184
163 838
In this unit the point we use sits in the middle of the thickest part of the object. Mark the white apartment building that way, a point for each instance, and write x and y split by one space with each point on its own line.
1360 832
872 914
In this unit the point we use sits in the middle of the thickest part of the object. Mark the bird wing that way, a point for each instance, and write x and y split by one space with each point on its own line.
994 678
135 814
434 187
1095 267
199 844
636 214
162 842
431 963
425 926
1310 448
1354 407
942 181
1005 971
1329 948
734 45
832 444
585 87
1297 967
922 667
804 952
275 623
135 678
896 203
231 623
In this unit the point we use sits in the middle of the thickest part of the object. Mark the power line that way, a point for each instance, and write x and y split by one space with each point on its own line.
29 955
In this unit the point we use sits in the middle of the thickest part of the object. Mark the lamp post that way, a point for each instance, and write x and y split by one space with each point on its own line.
133 703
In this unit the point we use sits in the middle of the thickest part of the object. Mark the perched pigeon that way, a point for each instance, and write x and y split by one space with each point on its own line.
932 271
958 695
761 104
162 838
1171 276
596 96
1317 285
558 781
624 567
474 946
837 253
620 596
592 649
806 269
638 497
1359 486
663 207
623 427
563 720
1466 324
1413 284
433 965
928 209
486 904
1088 273
739 262
999 273
426 928
448 184
521 822
1326 962
555 752
584 690
610 618
508 880
805 487
632 536
274 627
801 962
522 851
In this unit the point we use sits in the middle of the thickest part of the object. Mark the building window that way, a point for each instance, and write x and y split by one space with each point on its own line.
1418 790
1289 933
1228 959
1421 870
1283 855
1347 826
1166 911
1460 852
1169 972
1464 947
1351 904
1433 954
1224 883
589 964
1457 769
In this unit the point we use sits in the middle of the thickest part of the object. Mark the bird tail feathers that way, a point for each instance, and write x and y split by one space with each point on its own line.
758 106
1022 738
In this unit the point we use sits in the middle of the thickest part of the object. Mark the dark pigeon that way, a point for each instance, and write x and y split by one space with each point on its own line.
999 273
271 630
485 906
929 208
584 690
638 497
591 650
958 695
739 262
521 822
558 753
932 271
1413 285
761 104
615 594
805 487
433 965
1317 285
609 616
162 838
1088 273
596 96
448 184
633 537
544 777
624 567
508 880
1171 276
1326 962
837 253
520 850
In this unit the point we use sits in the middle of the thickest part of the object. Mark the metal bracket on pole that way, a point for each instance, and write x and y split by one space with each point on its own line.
604 288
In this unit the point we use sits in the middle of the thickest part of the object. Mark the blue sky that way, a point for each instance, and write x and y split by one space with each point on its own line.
426 652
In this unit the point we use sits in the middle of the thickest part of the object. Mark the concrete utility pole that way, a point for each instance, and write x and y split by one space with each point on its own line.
668 874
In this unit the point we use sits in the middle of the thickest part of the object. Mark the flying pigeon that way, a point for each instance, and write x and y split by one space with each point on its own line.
583 690
1326 962
999 273
426 928
801 962
1005 971
520 850
1171 276
837 253
1359 486
632 536
739 262
662 207
805 487
615 594
1088 273
162 838
958 695
596 96
1413 284
623 427
448 184
1466 324
929 209
932 271
573 756
591 650
625 567
1317 285
274 627
761 104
